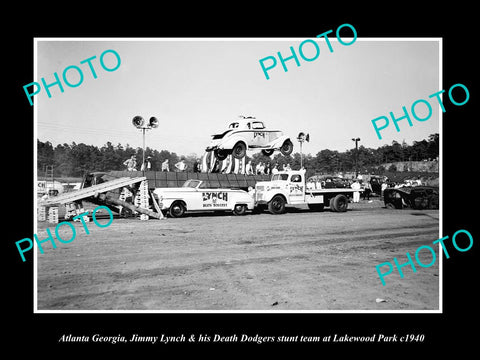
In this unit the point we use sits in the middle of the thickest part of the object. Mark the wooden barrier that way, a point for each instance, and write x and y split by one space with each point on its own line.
158 179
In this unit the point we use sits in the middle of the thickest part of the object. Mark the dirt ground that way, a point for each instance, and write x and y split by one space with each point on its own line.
301 260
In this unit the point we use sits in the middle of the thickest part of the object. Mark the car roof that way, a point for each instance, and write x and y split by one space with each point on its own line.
242 123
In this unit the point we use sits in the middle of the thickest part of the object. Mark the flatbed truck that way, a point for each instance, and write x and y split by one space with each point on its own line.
290 188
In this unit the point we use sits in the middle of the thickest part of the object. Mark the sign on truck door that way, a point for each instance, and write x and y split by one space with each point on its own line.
296 189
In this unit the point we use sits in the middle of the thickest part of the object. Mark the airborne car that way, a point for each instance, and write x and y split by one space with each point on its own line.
247 133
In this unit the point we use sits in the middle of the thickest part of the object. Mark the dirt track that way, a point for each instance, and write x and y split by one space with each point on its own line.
301 260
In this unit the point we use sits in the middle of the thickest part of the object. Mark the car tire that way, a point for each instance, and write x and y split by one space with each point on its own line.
340 203
277 205
240 209
287 148
267 152
221 154
239 151
177 209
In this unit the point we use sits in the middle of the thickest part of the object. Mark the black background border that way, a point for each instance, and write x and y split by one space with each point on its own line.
455 24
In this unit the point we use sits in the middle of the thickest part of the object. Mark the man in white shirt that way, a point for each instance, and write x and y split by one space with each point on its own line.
165 166
181 166
356 194
248 168
130 163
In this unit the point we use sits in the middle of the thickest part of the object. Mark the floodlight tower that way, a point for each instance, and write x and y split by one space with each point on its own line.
302 137
356 140
140 123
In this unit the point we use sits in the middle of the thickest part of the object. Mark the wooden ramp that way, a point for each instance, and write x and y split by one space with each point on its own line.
91 191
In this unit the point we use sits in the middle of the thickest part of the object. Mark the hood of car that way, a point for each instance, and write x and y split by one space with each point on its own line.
222 135
173 190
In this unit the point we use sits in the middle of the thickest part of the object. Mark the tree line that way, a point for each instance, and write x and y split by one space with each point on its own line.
74 160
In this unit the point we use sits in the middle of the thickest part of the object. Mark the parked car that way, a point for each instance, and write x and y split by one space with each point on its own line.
245 134
376 183
194 196
415 197
329 181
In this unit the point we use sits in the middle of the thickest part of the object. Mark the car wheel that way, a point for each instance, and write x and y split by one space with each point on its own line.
239 150
287 148
277 205
177 209
267 152
221 154
239 209
340 203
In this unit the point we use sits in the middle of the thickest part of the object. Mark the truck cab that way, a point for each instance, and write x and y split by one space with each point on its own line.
290 188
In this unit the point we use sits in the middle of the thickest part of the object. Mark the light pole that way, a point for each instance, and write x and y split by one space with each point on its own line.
301 138
140 123
356 155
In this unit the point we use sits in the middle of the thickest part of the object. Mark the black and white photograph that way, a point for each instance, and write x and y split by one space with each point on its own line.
294 204
301 179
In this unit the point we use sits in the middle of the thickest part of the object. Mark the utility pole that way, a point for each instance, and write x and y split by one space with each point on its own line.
356 155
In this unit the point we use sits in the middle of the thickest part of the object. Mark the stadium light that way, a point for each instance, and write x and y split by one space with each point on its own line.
356 155
302 137
140 123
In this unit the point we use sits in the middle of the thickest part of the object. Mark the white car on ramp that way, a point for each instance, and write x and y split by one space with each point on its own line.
194 196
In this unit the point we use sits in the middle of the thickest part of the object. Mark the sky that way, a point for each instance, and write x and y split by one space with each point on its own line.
196 87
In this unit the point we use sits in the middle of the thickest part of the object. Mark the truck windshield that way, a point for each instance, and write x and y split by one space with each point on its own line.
279 177
191 183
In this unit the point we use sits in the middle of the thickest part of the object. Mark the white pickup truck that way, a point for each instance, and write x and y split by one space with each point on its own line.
289 187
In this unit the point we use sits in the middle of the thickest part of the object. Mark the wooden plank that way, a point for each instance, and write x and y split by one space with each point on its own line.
157 207
91 191
109 199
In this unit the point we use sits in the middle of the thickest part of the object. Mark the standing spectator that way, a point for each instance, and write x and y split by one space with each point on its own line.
131 163
196 166
267 169
181 166
165 166
384 186
367 190
249 168
275 169
310 184
147 165
288 168
260 168
356 194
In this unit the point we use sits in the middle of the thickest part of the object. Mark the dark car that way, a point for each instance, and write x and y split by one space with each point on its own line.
414 197
330 181
376 183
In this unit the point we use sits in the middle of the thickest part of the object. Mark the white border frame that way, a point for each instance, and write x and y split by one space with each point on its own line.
35 202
